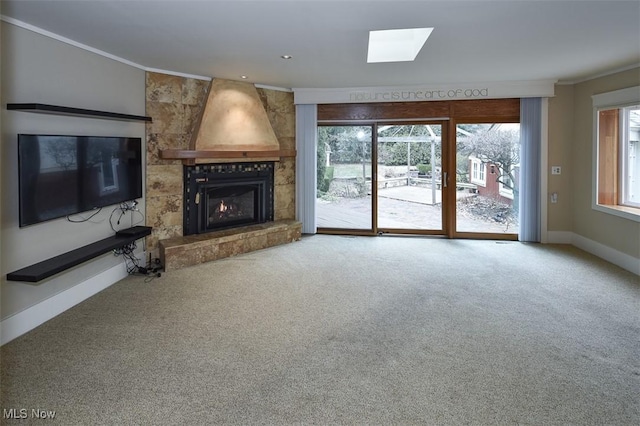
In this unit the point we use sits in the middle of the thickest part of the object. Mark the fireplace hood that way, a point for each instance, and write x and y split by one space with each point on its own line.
233 126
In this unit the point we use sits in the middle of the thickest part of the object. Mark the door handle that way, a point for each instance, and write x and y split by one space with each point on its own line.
445 178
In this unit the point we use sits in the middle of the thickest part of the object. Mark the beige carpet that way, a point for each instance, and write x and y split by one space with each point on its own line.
346 330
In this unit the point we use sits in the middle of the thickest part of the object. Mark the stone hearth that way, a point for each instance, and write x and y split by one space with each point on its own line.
180 252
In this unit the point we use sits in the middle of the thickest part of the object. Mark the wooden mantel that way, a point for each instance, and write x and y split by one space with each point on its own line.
190 154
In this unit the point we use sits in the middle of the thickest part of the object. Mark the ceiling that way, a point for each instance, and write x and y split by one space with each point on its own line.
472 41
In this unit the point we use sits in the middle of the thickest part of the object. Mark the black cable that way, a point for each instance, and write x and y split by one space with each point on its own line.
152 277
131 261
139 221
123 209
83 219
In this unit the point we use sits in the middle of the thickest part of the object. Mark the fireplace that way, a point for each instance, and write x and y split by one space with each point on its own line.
227 195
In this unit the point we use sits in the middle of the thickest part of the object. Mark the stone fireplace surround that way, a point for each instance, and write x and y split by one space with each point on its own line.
175 104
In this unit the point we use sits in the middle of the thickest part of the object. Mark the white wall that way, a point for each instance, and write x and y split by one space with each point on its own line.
39 69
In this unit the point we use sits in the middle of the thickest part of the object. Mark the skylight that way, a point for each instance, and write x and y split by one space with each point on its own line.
396 45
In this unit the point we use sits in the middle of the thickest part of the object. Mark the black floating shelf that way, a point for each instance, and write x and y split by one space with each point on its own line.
62 110
47 268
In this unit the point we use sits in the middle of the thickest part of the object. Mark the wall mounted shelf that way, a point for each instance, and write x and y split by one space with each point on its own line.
78 112
47 268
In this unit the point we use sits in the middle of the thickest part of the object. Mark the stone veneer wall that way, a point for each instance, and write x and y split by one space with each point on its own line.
175 103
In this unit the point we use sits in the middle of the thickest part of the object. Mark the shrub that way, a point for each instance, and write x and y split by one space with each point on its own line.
424 169
325 181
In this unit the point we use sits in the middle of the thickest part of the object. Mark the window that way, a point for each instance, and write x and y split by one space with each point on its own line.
617 163
630 159
509 181
478 171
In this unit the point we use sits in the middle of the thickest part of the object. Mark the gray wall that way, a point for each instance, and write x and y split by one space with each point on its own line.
616 232
39 69
559 154
571 146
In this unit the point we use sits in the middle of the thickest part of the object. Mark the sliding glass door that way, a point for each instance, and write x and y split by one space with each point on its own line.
433 168
381 177
487 179
409 178
344 178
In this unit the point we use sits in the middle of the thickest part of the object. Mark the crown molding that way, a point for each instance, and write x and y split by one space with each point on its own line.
179 74
68 41
82 46
279 89
602 74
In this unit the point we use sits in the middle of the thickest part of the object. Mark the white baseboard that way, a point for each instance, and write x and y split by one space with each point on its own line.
616 257
559 237
30 318
607 253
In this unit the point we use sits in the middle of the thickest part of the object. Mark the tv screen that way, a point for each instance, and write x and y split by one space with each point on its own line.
63 175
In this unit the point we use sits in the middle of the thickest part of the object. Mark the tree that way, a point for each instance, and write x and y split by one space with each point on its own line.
499 148
321 167
347 144
418 137
63 153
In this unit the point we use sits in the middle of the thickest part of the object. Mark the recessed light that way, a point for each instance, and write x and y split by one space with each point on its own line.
396 45
286 57
244 77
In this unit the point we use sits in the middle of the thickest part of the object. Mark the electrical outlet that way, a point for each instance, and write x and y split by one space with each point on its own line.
554 197
556 170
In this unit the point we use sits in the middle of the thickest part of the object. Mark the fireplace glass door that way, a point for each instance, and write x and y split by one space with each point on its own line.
231 205
218 196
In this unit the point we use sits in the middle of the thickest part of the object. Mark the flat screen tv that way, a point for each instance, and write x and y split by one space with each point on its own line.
64 175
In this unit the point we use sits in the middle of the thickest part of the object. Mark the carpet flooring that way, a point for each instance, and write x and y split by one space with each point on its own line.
345 330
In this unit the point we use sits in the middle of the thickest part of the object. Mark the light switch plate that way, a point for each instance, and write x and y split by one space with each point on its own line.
556 170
